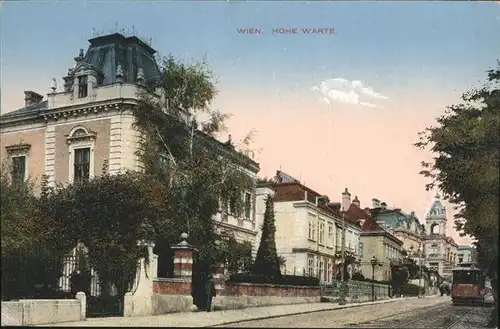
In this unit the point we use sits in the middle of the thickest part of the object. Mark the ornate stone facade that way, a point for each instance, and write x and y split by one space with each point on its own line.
440 250
88 125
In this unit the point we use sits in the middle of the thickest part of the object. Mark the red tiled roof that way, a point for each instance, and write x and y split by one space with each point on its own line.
355 213
284 193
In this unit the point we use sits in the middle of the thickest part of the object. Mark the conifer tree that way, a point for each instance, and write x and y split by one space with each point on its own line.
267 262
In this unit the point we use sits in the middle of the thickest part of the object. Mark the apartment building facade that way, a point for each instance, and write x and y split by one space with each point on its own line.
308 230
376 242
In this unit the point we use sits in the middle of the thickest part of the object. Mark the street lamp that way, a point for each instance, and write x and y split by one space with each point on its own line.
342 300
420 261
374 262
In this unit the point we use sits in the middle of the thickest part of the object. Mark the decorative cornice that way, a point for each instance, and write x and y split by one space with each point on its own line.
383 233
312 206
236 228
81 138
311 251
90 108
71 111
18 147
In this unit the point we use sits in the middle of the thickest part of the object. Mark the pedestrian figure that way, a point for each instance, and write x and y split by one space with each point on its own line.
209 292
199 291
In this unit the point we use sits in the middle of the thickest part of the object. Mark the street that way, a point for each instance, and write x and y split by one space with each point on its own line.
415 313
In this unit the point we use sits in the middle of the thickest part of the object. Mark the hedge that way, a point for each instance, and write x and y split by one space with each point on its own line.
291 280
409 289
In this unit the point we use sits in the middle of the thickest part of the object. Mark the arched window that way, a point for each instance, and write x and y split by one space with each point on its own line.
79 132
81 154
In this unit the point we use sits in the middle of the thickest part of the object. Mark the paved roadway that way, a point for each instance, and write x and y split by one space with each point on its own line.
417 313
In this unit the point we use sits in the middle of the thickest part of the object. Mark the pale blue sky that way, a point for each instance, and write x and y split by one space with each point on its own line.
391 44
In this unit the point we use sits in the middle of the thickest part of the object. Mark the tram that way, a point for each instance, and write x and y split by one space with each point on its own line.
468 285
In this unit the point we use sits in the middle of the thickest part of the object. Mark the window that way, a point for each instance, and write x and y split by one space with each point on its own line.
18 170
310 265
81 149
330 234
339 237
360 251
162 161
82 164
248 205
82 86
469 277
321 232
460 259
224 215
312 228
321 270
232 205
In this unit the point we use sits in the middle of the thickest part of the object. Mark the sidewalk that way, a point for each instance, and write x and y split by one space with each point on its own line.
217 318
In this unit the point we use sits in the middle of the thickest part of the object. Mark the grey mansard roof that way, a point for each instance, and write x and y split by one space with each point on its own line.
103 55
107 52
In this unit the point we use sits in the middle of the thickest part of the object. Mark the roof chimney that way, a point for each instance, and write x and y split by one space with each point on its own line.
356 201
375 203
31 98
346 200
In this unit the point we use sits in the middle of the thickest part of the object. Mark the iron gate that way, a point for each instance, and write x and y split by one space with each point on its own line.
104 291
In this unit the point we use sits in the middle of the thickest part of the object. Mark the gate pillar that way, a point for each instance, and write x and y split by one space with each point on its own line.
183 259
218 272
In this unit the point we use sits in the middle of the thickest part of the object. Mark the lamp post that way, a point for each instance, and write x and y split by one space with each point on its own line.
374 262
420 262
342 300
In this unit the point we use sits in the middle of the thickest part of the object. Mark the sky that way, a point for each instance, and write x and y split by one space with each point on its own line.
336 103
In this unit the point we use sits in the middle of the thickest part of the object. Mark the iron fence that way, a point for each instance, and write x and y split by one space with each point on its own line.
355 289
42 274
34 275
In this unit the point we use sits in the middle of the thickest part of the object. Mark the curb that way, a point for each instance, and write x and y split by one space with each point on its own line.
339 307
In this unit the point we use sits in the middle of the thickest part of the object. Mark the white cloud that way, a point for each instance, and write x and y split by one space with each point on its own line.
369 104
347 92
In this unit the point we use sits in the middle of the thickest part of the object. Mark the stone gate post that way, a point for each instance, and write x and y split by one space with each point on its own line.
183 264
218 272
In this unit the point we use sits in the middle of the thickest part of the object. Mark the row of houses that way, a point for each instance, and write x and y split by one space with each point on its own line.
75 130
309 230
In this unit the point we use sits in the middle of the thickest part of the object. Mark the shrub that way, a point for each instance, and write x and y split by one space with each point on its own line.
358 277
410 290
292 280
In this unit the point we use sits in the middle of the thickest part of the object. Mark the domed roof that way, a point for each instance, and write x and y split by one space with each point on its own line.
437 209
109 53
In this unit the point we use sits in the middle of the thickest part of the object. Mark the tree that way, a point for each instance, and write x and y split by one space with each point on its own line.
267 262
236 255
20 228
202 175
109 214
465 168
29 268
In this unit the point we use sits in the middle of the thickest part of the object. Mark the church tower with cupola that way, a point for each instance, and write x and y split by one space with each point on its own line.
435 220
